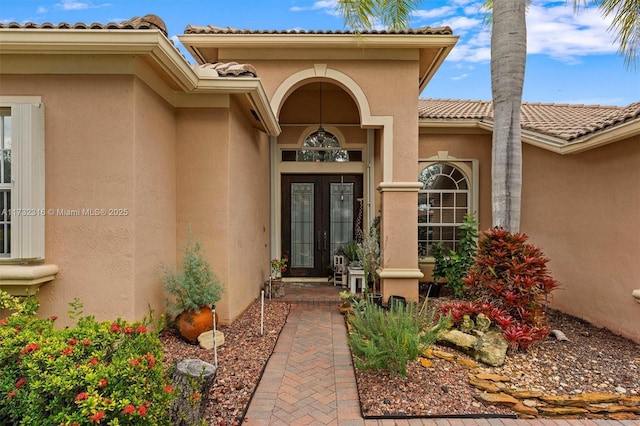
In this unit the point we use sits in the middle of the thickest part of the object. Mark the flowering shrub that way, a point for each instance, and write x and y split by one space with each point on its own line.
94 373
510 284
278 266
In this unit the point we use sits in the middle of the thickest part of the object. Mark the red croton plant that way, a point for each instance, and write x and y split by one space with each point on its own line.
509 283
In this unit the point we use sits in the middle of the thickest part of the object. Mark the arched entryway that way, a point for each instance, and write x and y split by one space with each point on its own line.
322 186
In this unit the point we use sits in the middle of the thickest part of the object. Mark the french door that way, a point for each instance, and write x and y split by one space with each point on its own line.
319 216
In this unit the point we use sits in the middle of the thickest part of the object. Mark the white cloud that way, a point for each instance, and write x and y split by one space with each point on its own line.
460 77
554 29
41 10
78 5
330 5
72 5
434 13
560 33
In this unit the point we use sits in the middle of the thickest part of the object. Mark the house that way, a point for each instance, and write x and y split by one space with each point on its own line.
282 142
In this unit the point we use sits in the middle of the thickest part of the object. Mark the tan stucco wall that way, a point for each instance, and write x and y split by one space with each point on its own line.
108 146
154 197
202 169
582 210
249 212
223 197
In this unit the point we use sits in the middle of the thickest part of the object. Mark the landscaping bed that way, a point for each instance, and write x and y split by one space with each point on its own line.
593 361
241 359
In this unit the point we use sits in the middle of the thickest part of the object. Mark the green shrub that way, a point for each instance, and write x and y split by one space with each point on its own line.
383 340
454 265
94 373
196 285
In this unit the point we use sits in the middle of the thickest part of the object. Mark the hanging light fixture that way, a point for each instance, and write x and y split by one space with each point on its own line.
321 144
320 133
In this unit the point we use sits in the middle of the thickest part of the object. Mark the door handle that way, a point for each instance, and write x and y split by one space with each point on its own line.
325 240
318 243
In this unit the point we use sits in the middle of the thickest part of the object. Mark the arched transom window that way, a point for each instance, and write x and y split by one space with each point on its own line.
322 146
442 203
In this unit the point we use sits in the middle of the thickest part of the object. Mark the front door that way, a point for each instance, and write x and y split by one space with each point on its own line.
319 216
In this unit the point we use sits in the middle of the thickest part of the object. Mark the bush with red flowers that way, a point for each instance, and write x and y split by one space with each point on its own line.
510 284
84 375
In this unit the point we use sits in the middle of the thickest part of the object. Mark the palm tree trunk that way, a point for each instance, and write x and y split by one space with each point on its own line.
508 57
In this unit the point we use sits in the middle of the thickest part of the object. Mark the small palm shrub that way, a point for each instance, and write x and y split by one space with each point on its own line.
510 283
382 340
95 373
454 265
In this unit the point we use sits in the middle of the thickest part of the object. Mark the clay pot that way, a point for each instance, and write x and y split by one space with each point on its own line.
191 325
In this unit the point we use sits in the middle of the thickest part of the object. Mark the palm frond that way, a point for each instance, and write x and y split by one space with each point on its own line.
625 26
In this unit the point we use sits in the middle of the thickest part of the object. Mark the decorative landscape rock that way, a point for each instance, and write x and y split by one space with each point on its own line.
485 385
581 400
534 404
206 339
525 410
482 322
499 398
489 348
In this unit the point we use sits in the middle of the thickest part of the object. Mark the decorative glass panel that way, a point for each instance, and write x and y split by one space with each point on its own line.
325 147
443 201
341 222
302 196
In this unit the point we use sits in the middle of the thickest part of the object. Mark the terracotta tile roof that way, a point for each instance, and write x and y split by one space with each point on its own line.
212 29
563 121
230 69
147 22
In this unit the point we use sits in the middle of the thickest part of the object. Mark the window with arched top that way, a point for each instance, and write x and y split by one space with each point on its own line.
443 201
322 146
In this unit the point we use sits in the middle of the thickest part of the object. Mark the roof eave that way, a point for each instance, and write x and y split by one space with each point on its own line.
433 48
432 67
550 143
316 40
152 44
604 137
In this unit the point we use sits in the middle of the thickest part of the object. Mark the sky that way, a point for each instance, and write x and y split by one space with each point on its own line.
572 58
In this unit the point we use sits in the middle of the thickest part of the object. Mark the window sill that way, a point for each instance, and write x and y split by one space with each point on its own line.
20 280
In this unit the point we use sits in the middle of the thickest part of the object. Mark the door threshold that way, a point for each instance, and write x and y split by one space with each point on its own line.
305 279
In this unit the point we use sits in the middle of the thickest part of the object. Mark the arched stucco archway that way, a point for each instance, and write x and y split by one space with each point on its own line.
321 71
400 275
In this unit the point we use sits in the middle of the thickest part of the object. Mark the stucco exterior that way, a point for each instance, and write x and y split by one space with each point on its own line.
164 147
579 209
582 210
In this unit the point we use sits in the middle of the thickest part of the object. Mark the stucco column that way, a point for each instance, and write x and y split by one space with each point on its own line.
399 239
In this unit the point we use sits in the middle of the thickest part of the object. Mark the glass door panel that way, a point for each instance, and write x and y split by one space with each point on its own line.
341 221
302 225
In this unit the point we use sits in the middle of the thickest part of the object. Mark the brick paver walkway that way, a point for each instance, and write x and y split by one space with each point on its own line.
309 380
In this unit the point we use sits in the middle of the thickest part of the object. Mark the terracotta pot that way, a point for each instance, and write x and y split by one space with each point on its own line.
191 325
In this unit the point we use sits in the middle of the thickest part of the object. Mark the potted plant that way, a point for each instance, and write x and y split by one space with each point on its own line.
195 290
278 266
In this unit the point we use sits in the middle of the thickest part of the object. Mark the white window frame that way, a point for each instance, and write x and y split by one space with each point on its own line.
469 168
27 178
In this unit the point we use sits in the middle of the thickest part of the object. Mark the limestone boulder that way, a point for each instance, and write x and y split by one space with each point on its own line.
489 348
